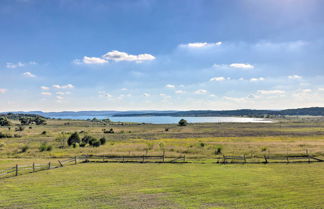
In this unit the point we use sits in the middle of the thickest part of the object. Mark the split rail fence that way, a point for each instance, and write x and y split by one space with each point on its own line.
32 168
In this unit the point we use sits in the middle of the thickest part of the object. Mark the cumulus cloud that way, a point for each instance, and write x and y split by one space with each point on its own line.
294 77
241 66
146 94
19 64
200 44
59 97
257 79
201 91
44 88
63 93
170 86
46 93
269 92
68 86
2 91
306 90
217 79
93 60
123 56
124 89
29 75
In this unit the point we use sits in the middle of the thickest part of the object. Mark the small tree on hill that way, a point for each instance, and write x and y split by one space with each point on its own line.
73 139
183 122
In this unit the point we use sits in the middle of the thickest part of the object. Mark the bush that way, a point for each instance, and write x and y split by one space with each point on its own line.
4 121
43 147
96 144
49 148
183 122
19 128
202 144
218 150
110 131
2 135
24 148
92 141
76 145
102 140
73 139
82 144
86 139
166 129
44 133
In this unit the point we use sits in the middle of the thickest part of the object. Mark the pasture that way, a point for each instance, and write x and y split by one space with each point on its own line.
199 184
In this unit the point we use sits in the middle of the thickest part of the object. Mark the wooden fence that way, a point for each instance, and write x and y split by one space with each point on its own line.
24 169
32 168
269 159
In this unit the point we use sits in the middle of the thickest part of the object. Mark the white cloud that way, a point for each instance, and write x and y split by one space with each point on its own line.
321 89
257 79
123 56
46 93
146 94
2 91
44 88
200 44
201 91
268 92
93 60
217 79
68 86
124 89
241 66
19 64
180 92
29 75
294 77
170 86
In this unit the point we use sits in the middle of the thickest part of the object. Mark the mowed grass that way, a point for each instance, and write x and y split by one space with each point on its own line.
168 186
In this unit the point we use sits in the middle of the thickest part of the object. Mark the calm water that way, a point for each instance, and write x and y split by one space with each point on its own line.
170 120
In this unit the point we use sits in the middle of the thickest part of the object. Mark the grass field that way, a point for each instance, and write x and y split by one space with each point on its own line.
168 186
192 185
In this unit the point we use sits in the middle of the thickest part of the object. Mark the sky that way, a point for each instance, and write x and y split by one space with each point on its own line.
58 55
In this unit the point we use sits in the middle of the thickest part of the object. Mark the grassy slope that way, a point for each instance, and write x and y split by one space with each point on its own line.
167 186
290 136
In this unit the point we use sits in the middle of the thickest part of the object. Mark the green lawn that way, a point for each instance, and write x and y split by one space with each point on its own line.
168 186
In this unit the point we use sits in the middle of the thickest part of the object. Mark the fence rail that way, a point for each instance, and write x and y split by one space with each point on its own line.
268 159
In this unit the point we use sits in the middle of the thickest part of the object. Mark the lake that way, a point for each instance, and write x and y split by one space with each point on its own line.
170 119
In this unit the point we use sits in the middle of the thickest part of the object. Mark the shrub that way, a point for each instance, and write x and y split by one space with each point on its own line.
96 144
263 149
49 148
202 144
166 129
92 141
73 139
44 133
24 148
2 135
82 144
102 140
4 121
19 128
218 150
86 139
110 131
183 122
43 147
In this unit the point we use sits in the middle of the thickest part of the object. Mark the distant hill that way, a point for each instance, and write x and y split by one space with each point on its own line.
313 111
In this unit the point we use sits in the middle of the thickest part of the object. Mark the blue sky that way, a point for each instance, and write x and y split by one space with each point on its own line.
163 55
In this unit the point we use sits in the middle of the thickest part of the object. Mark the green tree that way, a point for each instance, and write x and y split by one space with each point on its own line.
4 121
183 122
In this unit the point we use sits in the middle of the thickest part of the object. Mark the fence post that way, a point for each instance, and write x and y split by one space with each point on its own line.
163 155
60 163
224 159
143 158
49 165
16 169
308 155
75 160
244 158
287 159
123 158
184 158
265 158
34 167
